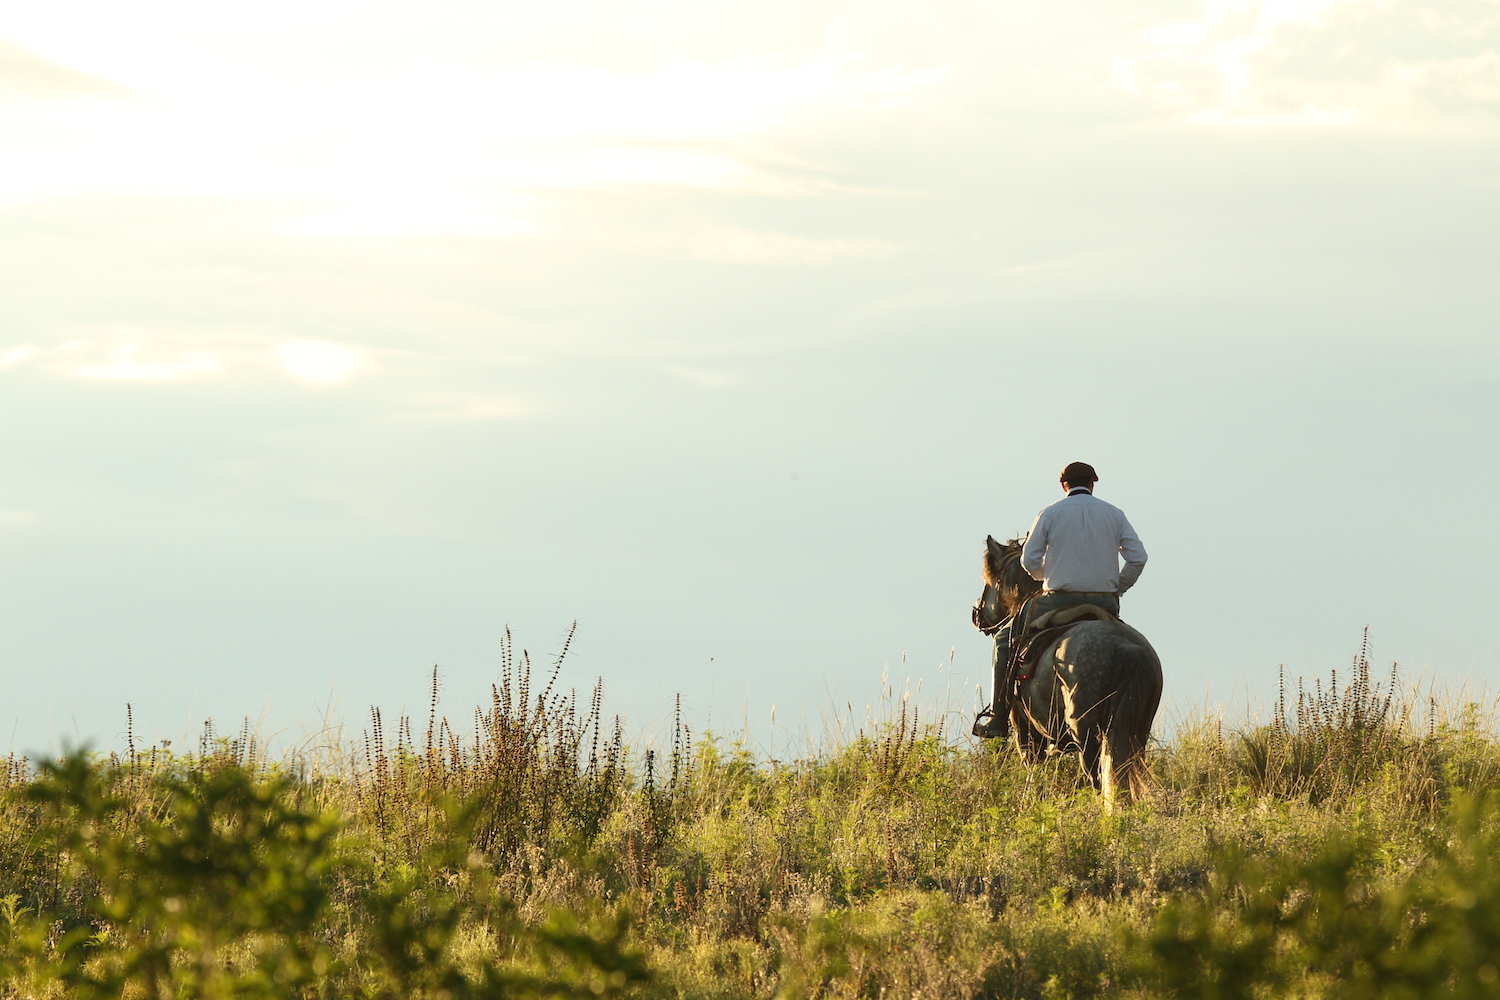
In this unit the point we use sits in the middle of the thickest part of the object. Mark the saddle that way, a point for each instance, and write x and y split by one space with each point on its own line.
1039 633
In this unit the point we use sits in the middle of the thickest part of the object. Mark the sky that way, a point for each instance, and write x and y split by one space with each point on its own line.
337 338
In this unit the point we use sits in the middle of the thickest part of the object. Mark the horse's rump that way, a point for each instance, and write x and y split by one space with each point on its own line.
1096 689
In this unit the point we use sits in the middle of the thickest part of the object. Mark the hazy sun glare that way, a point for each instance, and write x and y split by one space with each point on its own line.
319 363
418 144
319 115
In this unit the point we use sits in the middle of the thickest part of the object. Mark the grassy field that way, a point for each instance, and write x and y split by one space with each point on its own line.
1347 847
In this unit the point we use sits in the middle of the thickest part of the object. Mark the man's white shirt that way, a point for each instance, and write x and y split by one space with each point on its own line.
1076 544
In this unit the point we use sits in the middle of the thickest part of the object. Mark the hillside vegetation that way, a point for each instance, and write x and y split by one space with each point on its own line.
1342 849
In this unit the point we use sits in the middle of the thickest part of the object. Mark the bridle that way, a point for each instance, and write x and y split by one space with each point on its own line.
1010 556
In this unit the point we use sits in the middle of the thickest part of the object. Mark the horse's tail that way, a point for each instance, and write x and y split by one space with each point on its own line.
1122 758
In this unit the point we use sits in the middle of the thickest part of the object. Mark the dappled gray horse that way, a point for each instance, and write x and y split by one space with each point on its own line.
1095 689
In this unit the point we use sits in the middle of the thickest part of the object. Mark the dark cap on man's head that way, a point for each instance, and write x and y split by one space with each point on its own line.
1078 474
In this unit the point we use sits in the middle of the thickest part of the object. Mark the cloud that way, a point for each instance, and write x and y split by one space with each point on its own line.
743 246
17 519
1320 62
12 356
133 355
124 366
26 74
681 101
424 148
703 378
319 362
437 213
408 154
446 408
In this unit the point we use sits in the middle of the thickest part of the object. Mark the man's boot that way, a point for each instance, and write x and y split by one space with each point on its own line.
989 726
993 721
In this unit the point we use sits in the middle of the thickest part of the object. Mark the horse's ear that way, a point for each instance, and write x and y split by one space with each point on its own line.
994 554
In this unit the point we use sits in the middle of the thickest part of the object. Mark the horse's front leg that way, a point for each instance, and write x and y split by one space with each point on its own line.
1035 717
1029 740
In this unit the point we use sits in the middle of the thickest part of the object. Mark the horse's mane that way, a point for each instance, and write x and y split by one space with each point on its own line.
1002 570
995 564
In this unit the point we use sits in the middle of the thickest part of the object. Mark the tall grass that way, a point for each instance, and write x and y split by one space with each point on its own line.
539 853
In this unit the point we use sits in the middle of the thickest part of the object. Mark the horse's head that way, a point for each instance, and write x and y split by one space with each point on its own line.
1006 584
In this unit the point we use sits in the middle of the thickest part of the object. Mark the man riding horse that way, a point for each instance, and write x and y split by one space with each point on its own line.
1074 548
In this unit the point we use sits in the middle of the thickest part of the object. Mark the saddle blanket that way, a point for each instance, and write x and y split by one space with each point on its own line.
1042 631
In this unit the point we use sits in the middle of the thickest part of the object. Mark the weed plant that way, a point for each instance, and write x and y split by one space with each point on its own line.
1344 848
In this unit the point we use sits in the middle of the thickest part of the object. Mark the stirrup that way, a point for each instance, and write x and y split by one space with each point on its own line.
989 726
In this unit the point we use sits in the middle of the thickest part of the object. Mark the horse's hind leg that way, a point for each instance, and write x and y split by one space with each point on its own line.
1122 761
1091 752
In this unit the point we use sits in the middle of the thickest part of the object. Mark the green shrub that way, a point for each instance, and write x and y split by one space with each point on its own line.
217 883
1327 927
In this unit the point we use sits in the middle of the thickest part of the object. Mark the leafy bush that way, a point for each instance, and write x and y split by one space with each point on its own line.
216 883
1325 926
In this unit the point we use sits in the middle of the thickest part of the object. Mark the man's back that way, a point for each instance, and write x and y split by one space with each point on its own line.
1075 545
